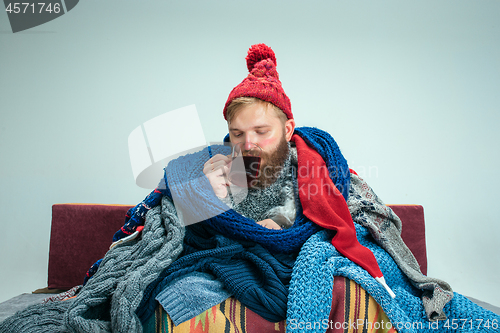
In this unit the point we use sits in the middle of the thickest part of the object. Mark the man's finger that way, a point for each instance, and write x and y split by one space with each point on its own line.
220 157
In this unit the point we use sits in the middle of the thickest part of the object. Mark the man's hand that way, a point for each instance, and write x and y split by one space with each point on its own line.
215 169
269 224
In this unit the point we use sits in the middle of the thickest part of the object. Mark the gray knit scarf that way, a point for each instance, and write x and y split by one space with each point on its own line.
279 201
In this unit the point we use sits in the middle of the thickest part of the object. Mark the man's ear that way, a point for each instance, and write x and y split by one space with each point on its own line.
289 128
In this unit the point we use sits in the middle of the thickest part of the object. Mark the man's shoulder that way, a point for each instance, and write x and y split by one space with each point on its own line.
308 130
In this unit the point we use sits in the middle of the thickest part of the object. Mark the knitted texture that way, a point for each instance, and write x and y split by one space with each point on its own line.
327 147
135 216
194 197
109 300
318 261
259 204
262 81
64 295
188 296
369 211
257 278
323 204
37 318
312 283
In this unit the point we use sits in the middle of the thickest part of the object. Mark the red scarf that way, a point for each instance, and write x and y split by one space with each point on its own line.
324 205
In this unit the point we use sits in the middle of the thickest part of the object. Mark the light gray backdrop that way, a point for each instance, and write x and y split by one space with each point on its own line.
409 89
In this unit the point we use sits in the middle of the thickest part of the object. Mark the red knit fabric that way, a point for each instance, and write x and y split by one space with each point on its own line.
262 81
324 205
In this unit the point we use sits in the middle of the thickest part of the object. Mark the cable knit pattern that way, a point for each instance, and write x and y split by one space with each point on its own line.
257 278
312 283
108 301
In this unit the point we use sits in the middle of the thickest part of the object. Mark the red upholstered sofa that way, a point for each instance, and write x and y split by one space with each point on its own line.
82 233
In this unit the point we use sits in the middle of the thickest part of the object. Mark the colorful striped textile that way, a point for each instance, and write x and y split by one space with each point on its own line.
228 316
353 310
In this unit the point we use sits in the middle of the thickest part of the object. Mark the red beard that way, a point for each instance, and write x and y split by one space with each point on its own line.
271 165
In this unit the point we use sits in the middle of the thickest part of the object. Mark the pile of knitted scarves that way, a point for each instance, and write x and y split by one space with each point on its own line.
378 228
110 299
320 164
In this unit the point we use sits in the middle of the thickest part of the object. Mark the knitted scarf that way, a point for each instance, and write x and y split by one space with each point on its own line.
186 184
323 204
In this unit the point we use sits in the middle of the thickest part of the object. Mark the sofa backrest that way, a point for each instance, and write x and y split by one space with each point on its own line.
82 233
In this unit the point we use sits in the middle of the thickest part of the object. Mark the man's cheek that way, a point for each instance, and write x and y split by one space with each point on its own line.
268 142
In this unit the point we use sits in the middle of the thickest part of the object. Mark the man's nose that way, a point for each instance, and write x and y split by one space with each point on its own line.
248 139
248 144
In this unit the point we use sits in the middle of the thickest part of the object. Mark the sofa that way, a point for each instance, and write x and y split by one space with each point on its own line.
82 233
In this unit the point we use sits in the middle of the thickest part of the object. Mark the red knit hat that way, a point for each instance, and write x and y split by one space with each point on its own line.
263 81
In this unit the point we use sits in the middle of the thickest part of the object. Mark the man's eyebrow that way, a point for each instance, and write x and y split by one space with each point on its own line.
255 127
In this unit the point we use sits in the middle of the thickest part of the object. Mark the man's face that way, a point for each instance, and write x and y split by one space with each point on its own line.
258 123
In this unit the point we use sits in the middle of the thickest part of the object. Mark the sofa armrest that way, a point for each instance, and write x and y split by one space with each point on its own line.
413 231
80 235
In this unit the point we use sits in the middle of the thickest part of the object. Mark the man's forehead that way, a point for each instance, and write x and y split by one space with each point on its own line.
254 116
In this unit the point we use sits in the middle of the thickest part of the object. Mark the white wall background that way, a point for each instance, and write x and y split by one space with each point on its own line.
409 89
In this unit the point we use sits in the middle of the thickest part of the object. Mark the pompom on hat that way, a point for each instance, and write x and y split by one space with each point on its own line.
262 81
